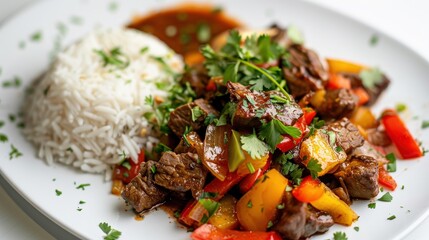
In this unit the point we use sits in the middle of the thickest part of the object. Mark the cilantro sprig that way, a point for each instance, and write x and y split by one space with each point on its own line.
254 146
272 132
111 233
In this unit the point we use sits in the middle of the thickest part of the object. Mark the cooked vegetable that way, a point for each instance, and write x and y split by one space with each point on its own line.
235 153
249 163
363 117
288 142
128 169
339 210
309 190
385 179
264 196
248 181
117 187
225 217
400 135
208 231
317 147
337 81
216 150
342 66
362 95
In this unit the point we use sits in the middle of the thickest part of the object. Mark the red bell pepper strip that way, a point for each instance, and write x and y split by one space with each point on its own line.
309 190
126 173
211 86
288 142
210 232
385 179
248 181
400 136
309 114
220 188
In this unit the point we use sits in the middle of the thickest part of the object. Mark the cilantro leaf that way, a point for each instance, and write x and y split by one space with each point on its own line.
288 168
314 167
400 107
105 227
83 186
58 192
196 112
386 197
391 217
372 205
3 138
211 206
425 124
272 132
371 77
340 236
254 146
391 166
14 152
111 233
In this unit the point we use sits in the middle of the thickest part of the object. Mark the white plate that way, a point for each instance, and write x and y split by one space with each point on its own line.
329 33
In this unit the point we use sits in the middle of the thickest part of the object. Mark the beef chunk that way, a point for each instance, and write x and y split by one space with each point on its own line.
337 103
374 92
360 175
181 117
197 78
304 71
299 220
347 134
180 172
252 106
192 144
141 193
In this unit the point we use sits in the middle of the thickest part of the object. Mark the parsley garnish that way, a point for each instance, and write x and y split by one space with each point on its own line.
386 197
36 37
316 124
288 168
391 217
249 204
255 147
340 236
356 229
373 40
203 33
82 202
272 132
208 195
153 169
111 234
160 148
332 137
126 164
3 138
281 206
425 124
114 57
391 166
314 167
371 77
14 152
1 124
16 82
177 214
211 206
400 107
270 224
113 6
83 186
58 192
12 117
372 205
250 167
144 50
196 112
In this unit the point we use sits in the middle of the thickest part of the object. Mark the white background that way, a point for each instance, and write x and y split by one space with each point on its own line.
406 21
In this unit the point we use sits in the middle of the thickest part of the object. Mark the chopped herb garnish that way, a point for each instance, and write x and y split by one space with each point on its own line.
203 33
295 35
12 117
160 148
272 132
76 20
185 38
14 152
211 206
249 204
114 57
153 169
332 137
111 234
316 124
254 146
62 28
36 37
83 186
171 31
1 124
58 192
54 179
3 138
82 202
126 164
270 224
372 205
391 166
278 99
265 177
123 156
371 77
373 40
289 188
338 149
196 112
79 209
113 6
314 167
340 236
177 214
386 197
356 229
381 189
403 187
250 167
21 44
288 168
391 217
425 124
16 82
208 195
281 206
400 107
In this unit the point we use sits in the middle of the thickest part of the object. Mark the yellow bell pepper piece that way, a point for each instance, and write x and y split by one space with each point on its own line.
318 148
226 215
244 168
342 66
338 209
258 206
363 117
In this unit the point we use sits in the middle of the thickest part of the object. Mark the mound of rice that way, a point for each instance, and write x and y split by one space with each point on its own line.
85 113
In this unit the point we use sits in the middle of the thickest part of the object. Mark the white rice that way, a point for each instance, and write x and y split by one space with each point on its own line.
85 114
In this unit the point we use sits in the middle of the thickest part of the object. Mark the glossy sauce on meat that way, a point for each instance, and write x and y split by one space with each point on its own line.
186 27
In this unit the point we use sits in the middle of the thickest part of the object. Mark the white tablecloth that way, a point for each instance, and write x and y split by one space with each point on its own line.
406 21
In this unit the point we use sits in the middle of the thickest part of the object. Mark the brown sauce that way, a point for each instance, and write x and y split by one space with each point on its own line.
186 27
